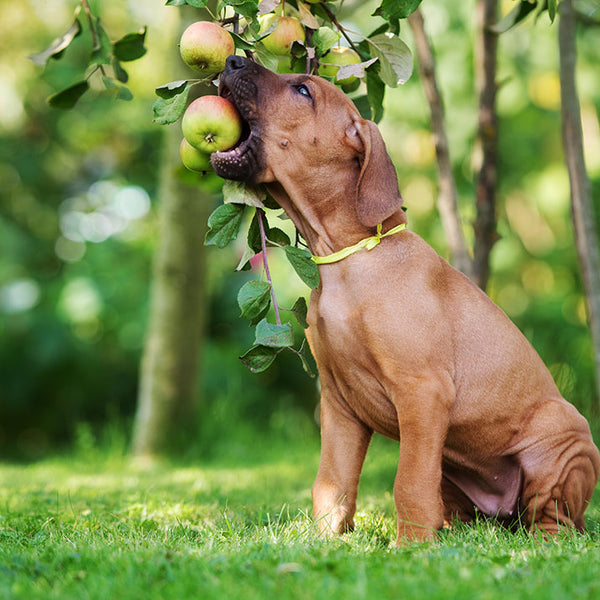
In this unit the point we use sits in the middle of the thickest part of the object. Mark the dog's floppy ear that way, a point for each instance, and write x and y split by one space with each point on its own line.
377 194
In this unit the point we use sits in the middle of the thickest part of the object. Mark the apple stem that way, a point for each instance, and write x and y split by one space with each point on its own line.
263 242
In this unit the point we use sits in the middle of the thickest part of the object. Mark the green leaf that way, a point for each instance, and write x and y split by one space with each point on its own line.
259 358
120 72
552 10
102 53
306 17
243 193
68 98
266 58
246 8
195 3
274 336
375 96
59 45
392 10
304 354
171 89
244 264
131 46
358 70
172 102
253 239
224 225
323 39
515 16
267 6
123 92
240 42
363 107
304 265
300 309
394 56
254 298
277 237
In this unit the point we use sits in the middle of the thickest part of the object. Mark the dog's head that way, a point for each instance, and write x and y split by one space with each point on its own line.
303 128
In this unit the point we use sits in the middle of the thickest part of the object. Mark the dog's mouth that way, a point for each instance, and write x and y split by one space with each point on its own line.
242 162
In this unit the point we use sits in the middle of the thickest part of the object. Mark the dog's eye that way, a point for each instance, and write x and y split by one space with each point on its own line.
303 90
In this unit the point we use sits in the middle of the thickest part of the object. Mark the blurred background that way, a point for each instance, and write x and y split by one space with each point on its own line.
79 226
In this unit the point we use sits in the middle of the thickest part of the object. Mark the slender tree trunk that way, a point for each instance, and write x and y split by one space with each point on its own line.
586 236
169 366
485 78
447 198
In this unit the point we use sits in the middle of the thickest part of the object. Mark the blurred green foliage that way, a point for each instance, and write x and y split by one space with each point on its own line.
78 225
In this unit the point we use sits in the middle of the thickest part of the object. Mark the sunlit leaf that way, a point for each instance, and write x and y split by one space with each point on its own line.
304 265
324 39
131 46
254 298
224 224
59 45
355 70
259 358
239 192
300 309
274 336
171 103
267 6
396 9
394 57
515 16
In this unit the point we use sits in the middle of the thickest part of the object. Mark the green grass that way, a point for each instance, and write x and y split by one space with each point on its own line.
93 526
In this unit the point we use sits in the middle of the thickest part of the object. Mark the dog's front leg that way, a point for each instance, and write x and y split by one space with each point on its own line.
423 416
344 443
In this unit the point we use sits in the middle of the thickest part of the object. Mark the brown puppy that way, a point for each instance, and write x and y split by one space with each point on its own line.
405 344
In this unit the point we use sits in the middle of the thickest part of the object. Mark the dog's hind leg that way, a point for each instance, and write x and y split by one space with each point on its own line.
560 470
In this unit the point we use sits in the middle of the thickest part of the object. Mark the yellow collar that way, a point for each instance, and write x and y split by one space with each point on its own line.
368 243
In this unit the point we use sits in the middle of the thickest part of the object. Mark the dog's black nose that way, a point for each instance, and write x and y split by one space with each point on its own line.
235 63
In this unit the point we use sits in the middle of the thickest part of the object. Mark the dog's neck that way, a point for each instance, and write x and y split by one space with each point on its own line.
326 220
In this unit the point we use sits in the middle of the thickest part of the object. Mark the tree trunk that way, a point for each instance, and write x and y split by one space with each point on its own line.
586 236
448 198
169 366
485 78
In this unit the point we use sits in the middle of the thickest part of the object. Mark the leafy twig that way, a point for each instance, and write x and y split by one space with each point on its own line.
95 41
263 243
341 30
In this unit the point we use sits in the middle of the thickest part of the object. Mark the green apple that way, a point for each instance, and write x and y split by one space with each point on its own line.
287 30
205 46
333 60
193 159
211 124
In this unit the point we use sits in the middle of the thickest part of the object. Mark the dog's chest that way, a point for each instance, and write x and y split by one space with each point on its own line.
338 338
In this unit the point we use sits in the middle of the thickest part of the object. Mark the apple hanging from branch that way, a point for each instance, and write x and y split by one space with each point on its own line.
204 46
211 124
287 30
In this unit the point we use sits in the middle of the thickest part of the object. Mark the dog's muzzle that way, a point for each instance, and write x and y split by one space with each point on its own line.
243 162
